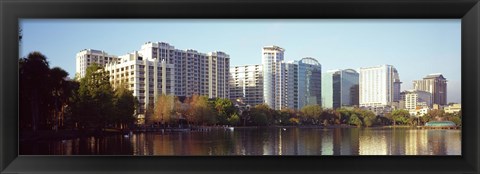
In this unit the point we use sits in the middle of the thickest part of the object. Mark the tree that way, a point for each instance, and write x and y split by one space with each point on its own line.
163 110
199 110
401 116
354 120
61 92
425 118
294 121
224 109
262 115
344 115
436 114
124 103
369 118
33 73
94 99
311 113
149 113
260 118
234 119
284 115
179 108
328 116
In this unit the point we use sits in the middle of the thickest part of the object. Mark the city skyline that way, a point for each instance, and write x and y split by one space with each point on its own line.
427 44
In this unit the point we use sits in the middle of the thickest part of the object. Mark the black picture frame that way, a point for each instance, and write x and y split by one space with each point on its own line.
466 10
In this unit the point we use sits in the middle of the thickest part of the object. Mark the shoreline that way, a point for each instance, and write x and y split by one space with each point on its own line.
48 135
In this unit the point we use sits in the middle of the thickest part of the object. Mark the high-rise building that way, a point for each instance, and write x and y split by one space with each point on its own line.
309 82
286 86
195 73
379 86
88 57
158 68
340 88
435 84
246 84
218 74
292 84
415 98
146 77
272 56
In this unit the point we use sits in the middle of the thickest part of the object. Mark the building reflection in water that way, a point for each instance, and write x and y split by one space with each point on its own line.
264 141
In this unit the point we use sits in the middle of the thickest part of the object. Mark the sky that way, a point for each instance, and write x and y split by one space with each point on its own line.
415 47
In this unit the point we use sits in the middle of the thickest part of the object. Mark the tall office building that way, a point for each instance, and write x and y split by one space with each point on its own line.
379 86
88 57
309 82
292 84
272 56
435 84
340 88
246 84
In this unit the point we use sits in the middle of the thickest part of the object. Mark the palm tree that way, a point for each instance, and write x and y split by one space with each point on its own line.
60 93
33 72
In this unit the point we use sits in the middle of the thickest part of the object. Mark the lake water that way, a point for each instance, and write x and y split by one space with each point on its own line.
262 141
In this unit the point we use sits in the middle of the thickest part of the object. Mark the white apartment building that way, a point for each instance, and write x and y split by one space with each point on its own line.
415 99
195 73
246 84
146 77
286 93
88 57
218 74
158 68
379 86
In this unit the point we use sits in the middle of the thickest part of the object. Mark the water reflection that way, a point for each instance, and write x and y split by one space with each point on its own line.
264 141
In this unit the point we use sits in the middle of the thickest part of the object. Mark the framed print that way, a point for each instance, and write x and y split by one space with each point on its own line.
239 86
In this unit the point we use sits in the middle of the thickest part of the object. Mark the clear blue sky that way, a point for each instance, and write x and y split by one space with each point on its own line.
415 47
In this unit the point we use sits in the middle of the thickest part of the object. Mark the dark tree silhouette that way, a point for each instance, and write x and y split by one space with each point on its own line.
33 73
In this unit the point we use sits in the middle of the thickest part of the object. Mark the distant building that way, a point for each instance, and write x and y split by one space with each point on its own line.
246 84
340 88
435 84
379 86
88 57
286 86
218 74
416 98
453 108
195 73
147 78
292 84
379 110
158 68
309 82
419 111
272 56
437 106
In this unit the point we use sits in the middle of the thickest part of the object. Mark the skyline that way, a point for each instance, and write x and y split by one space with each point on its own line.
424 42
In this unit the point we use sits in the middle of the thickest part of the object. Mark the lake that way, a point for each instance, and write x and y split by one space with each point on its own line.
261 141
